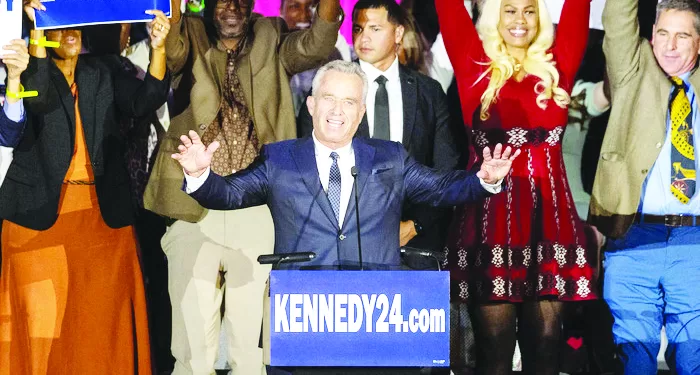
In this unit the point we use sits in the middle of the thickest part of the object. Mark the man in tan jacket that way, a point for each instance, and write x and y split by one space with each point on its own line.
645 197
231 74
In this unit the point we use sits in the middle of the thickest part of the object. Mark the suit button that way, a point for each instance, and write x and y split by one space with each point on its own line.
202 127
659 144
644 171
341 237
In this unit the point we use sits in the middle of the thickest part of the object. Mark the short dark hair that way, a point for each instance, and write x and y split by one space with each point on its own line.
692 6
396 14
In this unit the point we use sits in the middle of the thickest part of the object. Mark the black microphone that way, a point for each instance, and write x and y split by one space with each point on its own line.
438 256
353 172
276 259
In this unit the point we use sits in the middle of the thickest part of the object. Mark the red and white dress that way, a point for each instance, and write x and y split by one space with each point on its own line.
526 242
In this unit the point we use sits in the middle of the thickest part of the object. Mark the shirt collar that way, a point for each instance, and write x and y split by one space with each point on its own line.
391 74
322 150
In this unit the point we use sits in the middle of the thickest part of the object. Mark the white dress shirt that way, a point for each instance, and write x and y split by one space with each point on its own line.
346 160
393 88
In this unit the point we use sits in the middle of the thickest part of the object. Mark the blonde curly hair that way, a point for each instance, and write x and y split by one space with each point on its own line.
538 61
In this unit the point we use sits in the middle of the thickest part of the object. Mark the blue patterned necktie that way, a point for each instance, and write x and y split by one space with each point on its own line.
682 152
334 186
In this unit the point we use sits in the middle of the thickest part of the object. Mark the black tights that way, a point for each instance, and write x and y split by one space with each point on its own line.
539 328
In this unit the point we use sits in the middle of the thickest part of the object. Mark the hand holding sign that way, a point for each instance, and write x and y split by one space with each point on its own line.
30 7
17 60
159 29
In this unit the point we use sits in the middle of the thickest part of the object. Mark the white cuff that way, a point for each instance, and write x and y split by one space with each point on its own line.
194 183
14 111
492 188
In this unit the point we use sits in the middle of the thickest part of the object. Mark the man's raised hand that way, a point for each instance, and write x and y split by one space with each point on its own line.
194 156
495 167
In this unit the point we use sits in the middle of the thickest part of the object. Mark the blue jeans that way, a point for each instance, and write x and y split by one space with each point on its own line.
652 278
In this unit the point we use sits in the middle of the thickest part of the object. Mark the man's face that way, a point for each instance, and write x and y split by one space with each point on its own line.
231 16
297 13
519 23
675 42
375 38
337 108
71 42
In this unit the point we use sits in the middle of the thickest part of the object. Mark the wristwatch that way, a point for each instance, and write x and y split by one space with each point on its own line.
418 227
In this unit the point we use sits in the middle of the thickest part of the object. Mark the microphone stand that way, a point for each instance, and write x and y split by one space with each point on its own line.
353 171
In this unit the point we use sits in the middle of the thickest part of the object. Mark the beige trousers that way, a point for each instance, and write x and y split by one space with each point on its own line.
210 263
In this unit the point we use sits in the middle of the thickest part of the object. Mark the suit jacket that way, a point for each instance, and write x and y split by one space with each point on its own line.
32 188
428 136
270 57
285 177
10 131
638 120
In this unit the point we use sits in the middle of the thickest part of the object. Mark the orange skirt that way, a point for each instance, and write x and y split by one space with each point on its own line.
72 297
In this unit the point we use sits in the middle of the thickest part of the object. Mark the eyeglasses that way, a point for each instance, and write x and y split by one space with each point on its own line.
241 4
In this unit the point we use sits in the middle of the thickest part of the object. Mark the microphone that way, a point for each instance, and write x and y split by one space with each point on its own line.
438 256
276 259
353 172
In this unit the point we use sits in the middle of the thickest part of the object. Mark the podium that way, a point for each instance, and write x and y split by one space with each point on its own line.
359 319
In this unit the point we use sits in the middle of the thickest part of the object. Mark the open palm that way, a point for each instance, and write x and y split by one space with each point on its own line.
194 156
495 167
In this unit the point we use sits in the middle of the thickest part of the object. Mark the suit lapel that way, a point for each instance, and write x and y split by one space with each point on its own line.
64 93
304 156
87 81
364 160
409 90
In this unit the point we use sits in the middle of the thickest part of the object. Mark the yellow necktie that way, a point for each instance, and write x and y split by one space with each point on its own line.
682 152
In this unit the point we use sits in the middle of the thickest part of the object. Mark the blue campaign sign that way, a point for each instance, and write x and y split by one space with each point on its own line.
360 318
71 13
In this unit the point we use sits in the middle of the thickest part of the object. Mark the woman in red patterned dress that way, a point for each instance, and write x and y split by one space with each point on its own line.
518 255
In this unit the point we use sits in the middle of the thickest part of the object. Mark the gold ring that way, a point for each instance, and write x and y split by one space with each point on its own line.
161 27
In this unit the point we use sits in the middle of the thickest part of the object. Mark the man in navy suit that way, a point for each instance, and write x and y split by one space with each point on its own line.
308 183
15 57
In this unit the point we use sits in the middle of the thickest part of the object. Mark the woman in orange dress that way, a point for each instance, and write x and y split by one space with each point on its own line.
71 290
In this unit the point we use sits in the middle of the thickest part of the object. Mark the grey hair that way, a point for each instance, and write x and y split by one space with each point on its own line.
692 6
341 66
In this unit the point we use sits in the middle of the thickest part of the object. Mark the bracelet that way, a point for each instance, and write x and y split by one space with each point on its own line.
21 94
44 43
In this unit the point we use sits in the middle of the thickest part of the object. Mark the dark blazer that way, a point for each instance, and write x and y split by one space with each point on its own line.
31 191
10 131
285 177
429 138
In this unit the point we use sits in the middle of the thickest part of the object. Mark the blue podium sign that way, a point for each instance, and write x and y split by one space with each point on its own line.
73 13
359 318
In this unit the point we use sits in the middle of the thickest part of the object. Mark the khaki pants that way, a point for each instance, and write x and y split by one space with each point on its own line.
224 243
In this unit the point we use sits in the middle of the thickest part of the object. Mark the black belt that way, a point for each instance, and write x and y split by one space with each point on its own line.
668 220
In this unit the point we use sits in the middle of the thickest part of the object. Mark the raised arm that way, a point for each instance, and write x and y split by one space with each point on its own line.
136 98
572 38
622 42
37 76
440 188
12 116
177 44
306 49
459 34
246 188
